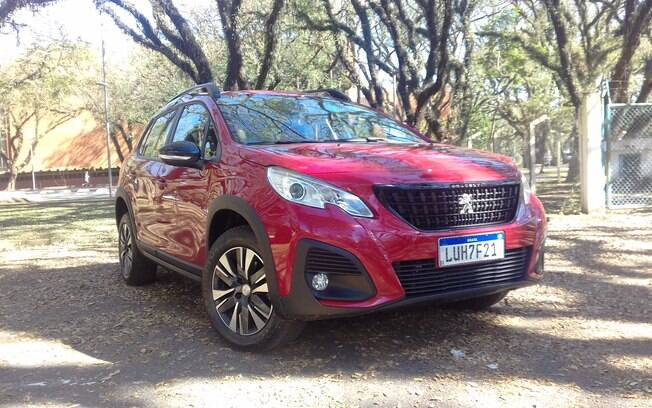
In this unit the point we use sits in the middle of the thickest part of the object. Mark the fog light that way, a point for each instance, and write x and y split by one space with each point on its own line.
320 281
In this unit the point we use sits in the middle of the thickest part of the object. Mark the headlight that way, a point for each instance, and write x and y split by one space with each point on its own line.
526 191
305 190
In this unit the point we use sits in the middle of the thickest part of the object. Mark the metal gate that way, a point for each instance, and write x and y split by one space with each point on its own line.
628 137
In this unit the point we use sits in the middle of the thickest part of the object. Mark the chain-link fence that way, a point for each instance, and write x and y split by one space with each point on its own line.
628 134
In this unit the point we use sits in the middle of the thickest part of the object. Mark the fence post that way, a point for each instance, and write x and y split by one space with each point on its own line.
592 179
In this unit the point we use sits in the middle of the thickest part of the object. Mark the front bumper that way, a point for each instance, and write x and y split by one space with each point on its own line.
376 245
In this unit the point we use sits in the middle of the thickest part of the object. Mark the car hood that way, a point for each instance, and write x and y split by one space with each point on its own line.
385 163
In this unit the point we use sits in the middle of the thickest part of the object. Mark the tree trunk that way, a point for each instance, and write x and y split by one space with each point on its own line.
13 175
646 88
116 145
270 43
574 163
229 12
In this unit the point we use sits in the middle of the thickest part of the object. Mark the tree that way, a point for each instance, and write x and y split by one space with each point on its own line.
35 91
632 28
170 33
509 90
229 11
576 41
398 39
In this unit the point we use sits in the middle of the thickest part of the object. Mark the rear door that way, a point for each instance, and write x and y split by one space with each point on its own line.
151 209
191 185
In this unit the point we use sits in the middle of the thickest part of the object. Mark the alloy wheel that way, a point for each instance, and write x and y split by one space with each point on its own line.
125 248
240 293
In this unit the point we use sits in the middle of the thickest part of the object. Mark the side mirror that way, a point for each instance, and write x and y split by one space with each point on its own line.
180 153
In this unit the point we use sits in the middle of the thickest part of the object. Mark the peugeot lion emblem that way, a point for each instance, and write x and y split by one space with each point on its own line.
466 203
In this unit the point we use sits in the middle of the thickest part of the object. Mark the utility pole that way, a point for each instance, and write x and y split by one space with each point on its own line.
104 85
31 149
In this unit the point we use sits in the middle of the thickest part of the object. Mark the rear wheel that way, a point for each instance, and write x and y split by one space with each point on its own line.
135 268
479 303
237 297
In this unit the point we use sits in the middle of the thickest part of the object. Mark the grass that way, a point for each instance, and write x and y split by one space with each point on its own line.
46 224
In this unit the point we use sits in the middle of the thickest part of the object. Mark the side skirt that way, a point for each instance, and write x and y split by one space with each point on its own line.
169 262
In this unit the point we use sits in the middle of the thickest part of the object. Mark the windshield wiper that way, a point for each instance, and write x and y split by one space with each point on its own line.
281 142
352 140
358 140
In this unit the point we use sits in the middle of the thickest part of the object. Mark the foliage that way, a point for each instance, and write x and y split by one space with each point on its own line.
510 91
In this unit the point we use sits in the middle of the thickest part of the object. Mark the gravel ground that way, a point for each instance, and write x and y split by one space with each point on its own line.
71 333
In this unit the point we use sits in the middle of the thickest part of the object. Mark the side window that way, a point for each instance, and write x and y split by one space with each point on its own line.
155 139
211 147
192 124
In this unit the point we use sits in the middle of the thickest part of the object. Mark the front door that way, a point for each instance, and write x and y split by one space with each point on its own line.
191 186
152 209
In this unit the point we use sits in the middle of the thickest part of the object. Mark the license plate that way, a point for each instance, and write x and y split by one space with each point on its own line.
471 249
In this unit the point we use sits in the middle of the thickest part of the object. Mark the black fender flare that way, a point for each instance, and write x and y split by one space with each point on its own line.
120 193
246 211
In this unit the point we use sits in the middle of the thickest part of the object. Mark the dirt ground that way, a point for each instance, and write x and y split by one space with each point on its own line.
71 333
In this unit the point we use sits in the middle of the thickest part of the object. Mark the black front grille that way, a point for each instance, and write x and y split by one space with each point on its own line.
423 277
436 208
323 261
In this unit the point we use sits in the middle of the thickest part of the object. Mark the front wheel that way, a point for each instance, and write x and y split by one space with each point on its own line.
236 294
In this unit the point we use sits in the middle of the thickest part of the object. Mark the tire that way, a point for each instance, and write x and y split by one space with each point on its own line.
237 298
135 268
479 303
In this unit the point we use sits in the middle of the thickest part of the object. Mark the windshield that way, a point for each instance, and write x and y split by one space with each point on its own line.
269 119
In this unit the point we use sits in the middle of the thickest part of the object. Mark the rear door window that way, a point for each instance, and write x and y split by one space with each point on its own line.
155 139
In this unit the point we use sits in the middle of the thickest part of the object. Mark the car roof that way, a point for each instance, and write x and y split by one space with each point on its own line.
264 92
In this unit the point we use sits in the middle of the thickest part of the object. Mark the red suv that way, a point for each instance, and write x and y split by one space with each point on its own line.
292 207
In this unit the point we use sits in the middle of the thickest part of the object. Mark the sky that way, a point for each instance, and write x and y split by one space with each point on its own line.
76 20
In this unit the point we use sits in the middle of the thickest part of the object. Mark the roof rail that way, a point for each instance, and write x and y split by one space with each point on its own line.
210 88
333 93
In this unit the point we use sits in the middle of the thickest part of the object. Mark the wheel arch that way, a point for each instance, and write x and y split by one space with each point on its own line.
240 212
237 212
122 204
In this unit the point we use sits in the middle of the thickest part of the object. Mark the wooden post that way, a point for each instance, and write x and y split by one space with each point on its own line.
592 175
